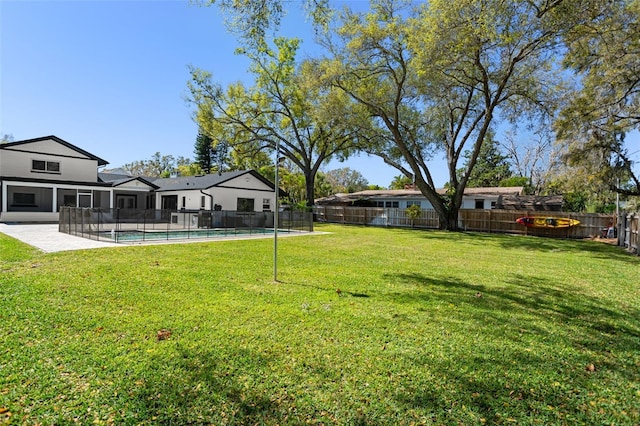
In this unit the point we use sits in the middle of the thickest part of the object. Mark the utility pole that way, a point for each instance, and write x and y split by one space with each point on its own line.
276 215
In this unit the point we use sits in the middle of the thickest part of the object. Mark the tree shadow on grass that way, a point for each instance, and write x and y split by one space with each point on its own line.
593 249
530 296
198 386
574 327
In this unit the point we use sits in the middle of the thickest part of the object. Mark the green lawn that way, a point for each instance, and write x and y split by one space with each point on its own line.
427 328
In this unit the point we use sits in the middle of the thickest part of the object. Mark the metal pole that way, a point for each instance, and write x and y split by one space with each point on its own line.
276 217
617 199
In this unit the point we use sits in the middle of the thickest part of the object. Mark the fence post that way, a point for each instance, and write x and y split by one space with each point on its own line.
490 221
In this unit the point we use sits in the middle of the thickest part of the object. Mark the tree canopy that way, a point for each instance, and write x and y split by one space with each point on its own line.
287 109
415 82
437 77
492 167
209 157
346 180
161 166
605 54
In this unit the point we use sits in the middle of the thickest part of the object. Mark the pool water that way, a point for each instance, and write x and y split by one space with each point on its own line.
154 235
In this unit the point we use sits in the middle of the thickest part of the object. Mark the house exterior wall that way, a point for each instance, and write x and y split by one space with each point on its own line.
45 200
246 181
225 195
67 175
16 163
247 187
474 201
227 198
187 200
468 202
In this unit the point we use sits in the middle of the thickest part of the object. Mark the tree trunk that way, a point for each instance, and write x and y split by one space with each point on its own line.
452 219
310 188
448 216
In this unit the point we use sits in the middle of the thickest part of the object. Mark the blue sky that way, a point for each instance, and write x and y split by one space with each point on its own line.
110 76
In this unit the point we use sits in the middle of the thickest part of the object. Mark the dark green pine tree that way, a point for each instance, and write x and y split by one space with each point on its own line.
491 166
204 154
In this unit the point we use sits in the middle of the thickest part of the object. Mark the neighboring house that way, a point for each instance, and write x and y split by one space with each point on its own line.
473 198
39 176
531 202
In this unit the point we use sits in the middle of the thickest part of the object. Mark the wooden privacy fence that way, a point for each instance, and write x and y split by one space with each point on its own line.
498 221
504 221
376 216
628 230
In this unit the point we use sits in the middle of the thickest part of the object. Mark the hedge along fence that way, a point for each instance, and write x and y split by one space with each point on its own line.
498 221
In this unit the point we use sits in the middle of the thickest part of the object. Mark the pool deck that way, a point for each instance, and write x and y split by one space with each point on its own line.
46 237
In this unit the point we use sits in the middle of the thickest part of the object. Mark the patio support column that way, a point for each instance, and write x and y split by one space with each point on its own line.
5 196
111 198
54 199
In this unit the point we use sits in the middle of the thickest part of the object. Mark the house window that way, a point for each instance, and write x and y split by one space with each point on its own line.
266 204
202 201
479 203
413 203
69 200
392 204
245 204
45 166
24 199
169 202
84 199
184 203
126 201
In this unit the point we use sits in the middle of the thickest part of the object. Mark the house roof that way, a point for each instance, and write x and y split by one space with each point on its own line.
204 181
10 145
531 202
116 179
413 193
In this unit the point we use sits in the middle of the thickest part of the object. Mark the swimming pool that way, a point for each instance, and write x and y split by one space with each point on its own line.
176 234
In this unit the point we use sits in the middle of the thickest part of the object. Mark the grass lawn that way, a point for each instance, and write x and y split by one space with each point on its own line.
427 328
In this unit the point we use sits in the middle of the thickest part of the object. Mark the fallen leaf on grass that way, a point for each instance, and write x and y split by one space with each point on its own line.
590 368
164 334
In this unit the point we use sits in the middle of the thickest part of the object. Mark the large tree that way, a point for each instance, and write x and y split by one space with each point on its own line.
346 180
492 167
605 54
160 166
437 78
534 158
287 107
401 182
203 151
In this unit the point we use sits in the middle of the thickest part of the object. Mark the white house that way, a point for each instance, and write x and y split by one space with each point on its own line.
473 198
245 191
38 176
